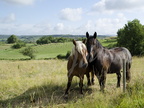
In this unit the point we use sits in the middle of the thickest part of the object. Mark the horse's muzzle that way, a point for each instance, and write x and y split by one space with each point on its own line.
85 65
90 57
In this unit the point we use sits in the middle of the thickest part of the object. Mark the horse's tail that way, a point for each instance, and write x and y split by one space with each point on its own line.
128 64
128 73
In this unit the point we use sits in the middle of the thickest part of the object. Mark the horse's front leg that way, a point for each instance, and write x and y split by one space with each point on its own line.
88 79
102 80
81 84
92 75
68 84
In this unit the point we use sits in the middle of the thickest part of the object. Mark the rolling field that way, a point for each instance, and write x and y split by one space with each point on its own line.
43 51
42 83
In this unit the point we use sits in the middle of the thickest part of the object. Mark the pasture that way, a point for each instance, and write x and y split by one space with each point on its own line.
42 83
45 51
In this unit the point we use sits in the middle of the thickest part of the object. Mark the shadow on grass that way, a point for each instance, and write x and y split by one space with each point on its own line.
45 95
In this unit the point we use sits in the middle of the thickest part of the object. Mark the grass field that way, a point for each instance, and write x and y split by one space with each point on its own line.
44 51
41 83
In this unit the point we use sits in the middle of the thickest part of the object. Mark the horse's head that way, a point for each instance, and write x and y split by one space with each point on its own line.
91 46
80 52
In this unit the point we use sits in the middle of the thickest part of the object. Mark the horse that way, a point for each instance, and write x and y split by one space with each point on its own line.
78 66
107 61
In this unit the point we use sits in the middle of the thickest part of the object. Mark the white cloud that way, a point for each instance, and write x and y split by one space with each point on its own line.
8 19
22 2
59 27
114 5
123 4
71 14
108 26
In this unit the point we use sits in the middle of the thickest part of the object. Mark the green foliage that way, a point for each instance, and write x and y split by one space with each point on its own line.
29 51
12 39
131 36
50 39
68 54
19 44
60 56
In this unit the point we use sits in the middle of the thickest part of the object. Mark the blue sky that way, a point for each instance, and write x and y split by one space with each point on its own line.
46 17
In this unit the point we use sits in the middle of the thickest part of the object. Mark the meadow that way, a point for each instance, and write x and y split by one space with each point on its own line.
41 84
45 51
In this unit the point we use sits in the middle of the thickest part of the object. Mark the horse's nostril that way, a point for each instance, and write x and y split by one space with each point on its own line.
85 65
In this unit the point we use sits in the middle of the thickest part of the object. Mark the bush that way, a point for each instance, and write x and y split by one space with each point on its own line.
68 54
19 44
60 56
29 51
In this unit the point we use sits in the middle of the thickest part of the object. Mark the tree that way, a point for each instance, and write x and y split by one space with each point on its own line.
19 44
131 36
12 39
29 51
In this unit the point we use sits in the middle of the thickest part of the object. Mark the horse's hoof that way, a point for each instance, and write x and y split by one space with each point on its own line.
66 96
89 84
93 83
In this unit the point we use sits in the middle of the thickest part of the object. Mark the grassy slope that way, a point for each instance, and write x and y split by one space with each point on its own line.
38 83
44 51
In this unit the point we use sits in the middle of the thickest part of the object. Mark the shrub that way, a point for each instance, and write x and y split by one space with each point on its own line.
68 54
60 56
19 44
29 51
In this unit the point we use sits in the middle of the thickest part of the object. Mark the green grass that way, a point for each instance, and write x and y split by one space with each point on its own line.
44 51
42 83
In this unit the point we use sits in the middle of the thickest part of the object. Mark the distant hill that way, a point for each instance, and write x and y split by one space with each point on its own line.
33 38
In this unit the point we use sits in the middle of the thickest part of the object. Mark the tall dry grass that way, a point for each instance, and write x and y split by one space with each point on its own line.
41 83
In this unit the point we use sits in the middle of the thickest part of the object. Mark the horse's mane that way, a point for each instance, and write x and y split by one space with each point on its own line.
98 44
79 46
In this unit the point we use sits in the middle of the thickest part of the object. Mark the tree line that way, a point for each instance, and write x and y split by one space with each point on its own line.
50 39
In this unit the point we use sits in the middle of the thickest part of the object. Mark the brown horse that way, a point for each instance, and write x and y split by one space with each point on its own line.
78 66
107 60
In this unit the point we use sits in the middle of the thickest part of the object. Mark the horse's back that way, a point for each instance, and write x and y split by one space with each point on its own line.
122 52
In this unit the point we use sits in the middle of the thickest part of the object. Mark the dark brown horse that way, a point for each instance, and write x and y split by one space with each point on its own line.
107 60
78 66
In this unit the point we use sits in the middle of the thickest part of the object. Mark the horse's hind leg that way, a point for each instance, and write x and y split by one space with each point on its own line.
118 78
128 74
68 84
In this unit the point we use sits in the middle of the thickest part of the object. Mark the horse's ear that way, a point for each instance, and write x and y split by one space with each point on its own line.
84 41
87 34
74 42
95 35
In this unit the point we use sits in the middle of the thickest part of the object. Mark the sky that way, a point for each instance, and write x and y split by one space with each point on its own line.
76 17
